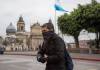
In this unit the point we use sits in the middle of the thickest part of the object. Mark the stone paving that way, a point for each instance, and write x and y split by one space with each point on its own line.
90 57
19 62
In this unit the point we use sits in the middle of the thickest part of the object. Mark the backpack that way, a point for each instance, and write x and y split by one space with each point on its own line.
68 59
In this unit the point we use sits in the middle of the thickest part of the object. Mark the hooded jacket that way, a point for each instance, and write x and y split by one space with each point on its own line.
53 46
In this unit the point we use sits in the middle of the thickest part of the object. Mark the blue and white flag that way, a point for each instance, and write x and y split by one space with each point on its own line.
58 7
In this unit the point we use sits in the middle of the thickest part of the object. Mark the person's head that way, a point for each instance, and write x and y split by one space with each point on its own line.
47 30
47 27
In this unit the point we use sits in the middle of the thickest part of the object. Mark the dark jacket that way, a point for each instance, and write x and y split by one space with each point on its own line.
54 49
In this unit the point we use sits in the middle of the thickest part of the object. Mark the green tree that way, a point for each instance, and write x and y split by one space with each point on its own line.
85 16
66 25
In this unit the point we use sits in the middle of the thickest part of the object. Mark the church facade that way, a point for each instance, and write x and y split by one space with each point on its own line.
20 40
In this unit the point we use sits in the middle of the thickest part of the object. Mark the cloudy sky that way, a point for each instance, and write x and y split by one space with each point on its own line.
32 11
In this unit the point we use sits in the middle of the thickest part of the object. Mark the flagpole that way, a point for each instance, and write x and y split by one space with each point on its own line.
59 8
56 25
55 18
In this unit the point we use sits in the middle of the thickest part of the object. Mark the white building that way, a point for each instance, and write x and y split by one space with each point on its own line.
85 38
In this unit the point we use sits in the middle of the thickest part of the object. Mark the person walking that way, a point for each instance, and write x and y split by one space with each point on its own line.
52 51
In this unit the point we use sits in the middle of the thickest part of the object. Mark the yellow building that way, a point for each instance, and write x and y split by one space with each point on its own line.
20 40
36 36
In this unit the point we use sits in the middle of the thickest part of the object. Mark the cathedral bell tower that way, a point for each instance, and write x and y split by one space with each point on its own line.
20 25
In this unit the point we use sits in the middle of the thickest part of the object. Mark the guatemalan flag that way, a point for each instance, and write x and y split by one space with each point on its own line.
58 7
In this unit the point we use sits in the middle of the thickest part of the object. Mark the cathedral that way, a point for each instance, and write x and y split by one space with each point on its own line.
19 40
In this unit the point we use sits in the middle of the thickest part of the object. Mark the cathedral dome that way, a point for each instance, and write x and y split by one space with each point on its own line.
36 26
10 28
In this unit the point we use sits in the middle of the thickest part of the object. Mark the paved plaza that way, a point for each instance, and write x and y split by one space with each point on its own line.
19 62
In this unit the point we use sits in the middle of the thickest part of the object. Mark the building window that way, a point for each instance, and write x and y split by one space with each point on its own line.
21 27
